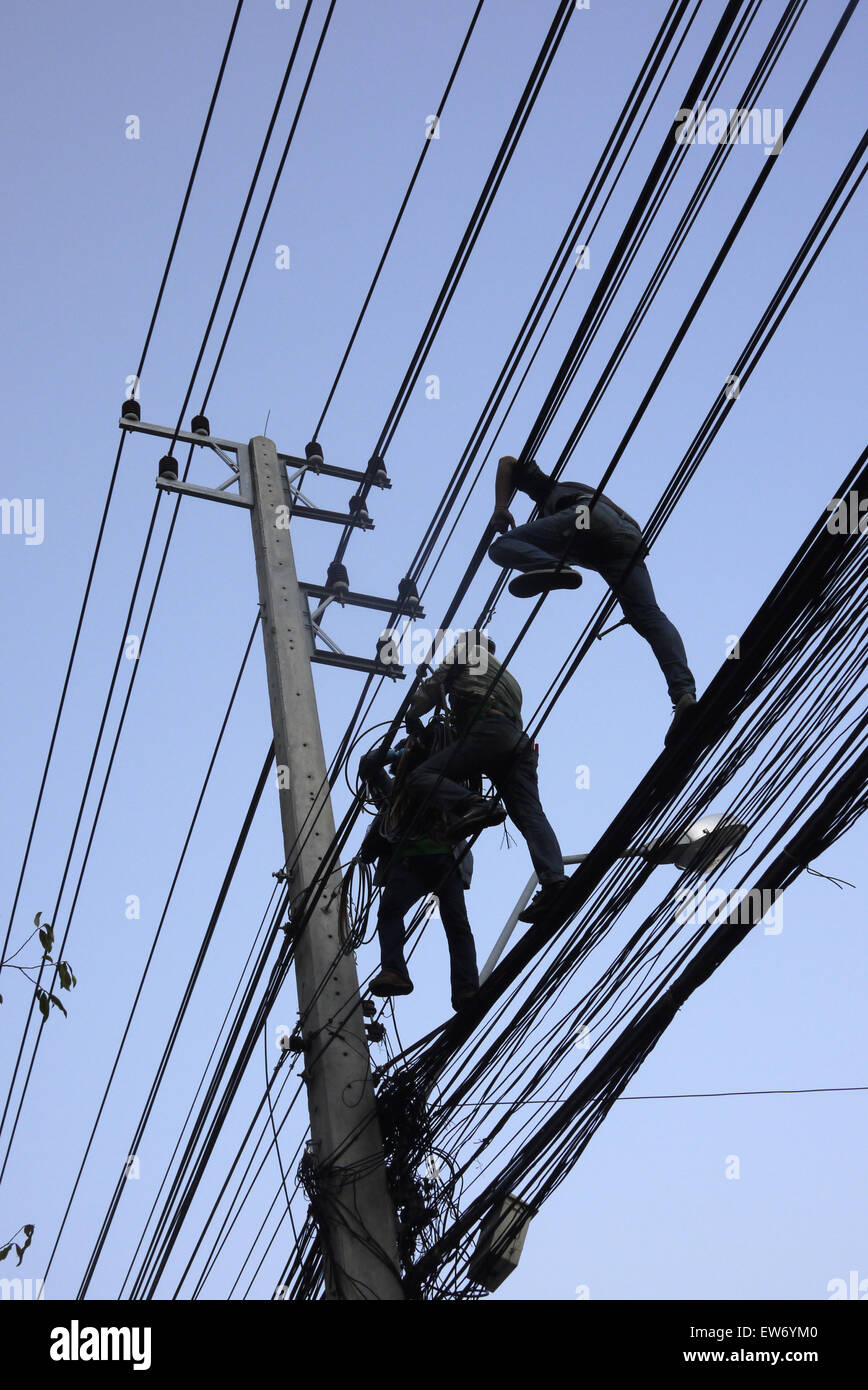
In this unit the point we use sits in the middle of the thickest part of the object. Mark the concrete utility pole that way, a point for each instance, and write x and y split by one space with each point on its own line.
343 1118
356 1216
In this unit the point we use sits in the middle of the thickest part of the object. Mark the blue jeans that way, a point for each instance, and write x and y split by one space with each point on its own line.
606 546
499 748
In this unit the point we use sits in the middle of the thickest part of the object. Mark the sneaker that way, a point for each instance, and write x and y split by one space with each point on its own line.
463 998
540 581
544 900
682 717
389 982
480 816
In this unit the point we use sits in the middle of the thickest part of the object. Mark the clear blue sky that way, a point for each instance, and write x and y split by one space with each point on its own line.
88 216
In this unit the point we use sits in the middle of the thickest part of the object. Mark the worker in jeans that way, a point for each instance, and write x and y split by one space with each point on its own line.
485 702
603 538
411 866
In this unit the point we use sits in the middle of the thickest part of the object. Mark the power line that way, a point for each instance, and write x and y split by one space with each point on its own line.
114 473
161 565
471 233
206 941
687 1095
397 222
163 914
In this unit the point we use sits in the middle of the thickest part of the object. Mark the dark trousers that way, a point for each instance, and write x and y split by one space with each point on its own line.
607 546
499 748
409 880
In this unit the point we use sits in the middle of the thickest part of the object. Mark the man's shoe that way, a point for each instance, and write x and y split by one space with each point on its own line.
389 982
481 816
545 899
540 581
682 717
463 998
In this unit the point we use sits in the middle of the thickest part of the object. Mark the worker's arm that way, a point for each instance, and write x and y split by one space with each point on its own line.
373 772
502 518
429 693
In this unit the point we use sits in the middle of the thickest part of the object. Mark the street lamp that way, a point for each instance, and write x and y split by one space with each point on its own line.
704 845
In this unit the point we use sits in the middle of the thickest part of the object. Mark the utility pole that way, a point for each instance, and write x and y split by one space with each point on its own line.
343 1117
356 1213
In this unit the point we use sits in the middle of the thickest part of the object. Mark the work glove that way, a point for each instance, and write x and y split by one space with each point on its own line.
414 726
502 519
370 762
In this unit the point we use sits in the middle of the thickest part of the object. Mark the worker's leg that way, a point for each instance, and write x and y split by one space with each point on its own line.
443 879
401 890
635 593
437 781
537 544
515 778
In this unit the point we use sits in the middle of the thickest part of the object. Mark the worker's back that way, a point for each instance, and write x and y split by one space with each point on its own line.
479 683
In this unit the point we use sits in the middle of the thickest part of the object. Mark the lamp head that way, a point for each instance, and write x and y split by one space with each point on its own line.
703 846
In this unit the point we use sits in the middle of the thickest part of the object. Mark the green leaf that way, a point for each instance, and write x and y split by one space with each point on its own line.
20 1249
56 1002
36 919
45 938
65 975
42 1000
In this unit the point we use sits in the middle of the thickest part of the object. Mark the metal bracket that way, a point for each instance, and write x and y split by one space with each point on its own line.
225 449
358 663
234 454
336 656
405 608
353 475
210 493
339 518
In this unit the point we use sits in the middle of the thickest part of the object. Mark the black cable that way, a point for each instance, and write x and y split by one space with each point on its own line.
165 551
502 159
826 210
397 222
113 478
692 1095
238 230
254 967
629 112
167 1052
160 923
162 561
